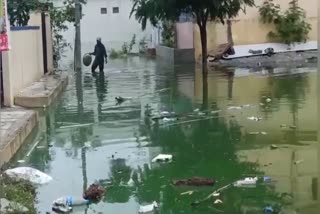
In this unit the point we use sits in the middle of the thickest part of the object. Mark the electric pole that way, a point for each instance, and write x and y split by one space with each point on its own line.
77 46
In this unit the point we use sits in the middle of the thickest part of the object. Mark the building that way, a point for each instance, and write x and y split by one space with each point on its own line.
109 19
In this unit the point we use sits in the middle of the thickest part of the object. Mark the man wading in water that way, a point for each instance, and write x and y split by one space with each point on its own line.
100 54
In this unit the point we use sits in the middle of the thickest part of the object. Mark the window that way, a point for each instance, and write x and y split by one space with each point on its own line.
115 9
103 10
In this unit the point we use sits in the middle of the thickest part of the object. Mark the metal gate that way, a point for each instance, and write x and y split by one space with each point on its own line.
44 42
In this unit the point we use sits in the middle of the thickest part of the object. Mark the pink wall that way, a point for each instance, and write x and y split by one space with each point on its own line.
184 35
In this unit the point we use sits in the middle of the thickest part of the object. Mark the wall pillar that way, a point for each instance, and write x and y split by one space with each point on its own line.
7 79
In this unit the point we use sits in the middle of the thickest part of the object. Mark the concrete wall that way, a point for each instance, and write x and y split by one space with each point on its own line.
175 56
23 63
248 29
184 35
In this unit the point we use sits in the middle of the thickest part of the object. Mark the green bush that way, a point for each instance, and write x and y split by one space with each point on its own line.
168 34
290 26
21 192
114 54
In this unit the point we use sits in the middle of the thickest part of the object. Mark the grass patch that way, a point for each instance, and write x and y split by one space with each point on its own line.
21 192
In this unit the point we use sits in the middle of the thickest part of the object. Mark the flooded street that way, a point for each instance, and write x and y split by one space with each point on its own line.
231 125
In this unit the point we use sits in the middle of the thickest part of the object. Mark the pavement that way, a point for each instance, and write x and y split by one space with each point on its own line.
43 92
16 124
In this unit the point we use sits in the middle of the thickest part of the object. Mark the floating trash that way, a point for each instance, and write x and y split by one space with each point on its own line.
162 158
169 119
215 112
41 147
246 182
268 209
196 181
218 201
148 208
187 193
201 113
273 146
298 162
267 179
65 204
268 100
257 133
254 118
216 194
130 182
234 108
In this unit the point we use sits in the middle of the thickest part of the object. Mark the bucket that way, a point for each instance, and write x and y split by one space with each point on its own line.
87 59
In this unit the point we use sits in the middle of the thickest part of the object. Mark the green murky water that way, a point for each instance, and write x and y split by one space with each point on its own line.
86 137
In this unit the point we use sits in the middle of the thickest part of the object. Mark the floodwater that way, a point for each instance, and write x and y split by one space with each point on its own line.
85 138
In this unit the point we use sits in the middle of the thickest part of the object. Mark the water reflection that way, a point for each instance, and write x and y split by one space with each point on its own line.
115 144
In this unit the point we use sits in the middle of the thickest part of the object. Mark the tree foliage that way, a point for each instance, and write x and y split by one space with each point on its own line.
202 11
19 11
290 26
168 34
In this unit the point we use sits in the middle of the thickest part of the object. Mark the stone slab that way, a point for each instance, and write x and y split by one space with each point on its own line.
43 92
16 125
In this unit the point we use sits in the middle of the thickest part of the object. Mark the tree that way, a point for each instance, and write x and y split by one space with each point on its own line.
202 11
290 26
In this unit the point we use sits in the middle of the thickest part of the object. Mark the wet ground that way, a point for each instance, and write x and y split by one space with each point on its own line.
86 137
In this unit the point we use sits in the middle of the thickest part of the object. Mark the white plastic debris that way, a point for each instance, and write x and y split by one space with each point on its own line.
169 119
30 174
246 181
61 208
148 208
218 201
187 193
254 133
255 118
298 162
87 145
234 108
164 113
196 110
216 194
130 182
246 105
268 100
214 112
201 113
162 158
